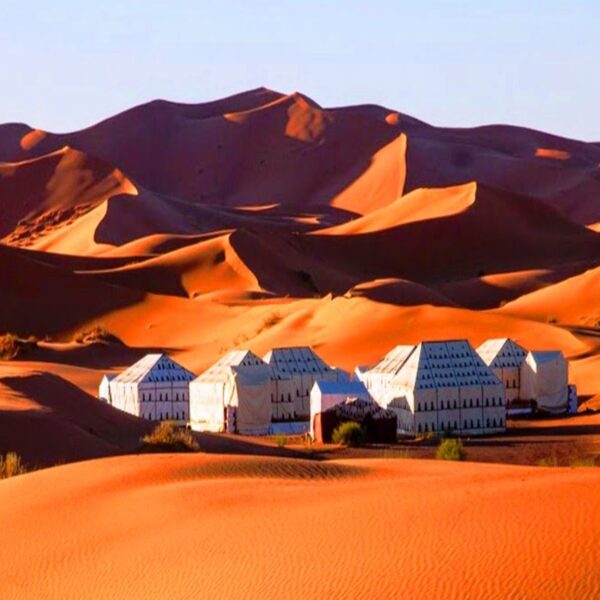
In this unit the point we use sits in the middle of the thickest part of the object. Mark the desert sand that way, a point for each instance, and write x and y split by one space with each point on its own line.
246 527
264 219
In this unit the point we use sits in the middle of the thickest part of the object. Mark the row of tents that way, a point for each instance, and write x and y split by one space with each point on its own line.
428 387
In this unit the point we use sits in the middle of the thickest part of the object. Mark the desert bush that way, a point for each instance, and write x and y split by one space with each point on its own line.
281 441
11 346
97 333
583 462
167 437
348 434
450 449
548 461
11 465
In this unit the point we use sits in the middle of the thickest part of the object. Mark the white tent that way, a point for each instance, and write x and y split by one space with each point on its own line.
155 387
104 389
325 394
436 386
544 378
295 370
505 357
233 395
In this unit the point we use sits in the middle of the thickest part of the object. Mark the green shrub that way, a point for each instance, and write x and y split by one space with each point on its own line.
167 437
281 441
11 465
549 461
450 449
348 434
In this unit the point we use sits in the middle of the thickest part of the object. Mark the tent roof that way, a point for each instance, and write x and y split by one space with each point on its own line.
341 387
301 359
154 367
443 364
393 360
502 352
231 363
541 356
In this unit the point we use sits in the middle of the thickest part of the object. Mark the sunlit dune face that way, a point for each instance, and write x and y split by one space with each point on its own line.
33 138
392 118
305 122
552 153
258 207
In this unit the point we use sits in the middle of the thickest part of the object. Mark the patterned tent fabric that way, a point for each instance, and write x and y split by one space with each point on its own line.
357 409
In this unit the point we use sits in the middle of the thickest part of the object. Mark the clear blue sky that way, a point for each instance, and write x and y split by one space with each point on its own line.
66 64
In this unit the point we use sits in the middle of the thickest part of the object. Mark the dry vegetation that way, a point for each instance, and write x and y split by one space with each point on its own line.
348 434
450 449
11 465
11 346
97 334
167 437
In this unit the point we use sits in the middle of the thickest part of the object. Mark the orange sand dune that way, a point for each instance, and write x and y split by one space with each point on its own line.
43 299
235 527
490 291
399 292
482 239
43 194
574 301
259 148
418 205
48 420
195 269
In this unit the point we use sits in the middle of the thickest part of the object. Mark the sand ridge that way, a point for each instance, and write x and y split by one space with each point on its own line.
177 526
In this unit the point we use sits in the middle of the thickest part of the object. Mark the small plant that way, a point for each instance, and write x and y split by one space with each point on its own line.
348 434
548 461
97 334
552 320
450 449
11 465
583 462
11 346
281 441
167 437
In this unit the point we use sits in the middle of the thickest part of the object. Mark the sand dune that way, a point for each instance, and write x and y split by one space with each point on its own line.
479 240
48 420
574 301
264 219
44 194
418 205
189 271
246 528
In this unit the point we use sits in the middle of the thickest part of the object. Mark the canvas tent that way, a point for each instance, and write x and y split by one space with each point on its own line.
325 394
233 395
436 386
295 370
104 389
155 387
505 357
379 424
544 379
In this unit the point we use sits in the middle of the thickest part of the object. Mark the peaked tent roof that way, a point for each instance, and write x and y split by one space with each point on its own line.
393 360
231 363
502 352
542 356
154 368
301 359
443 364
341 387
